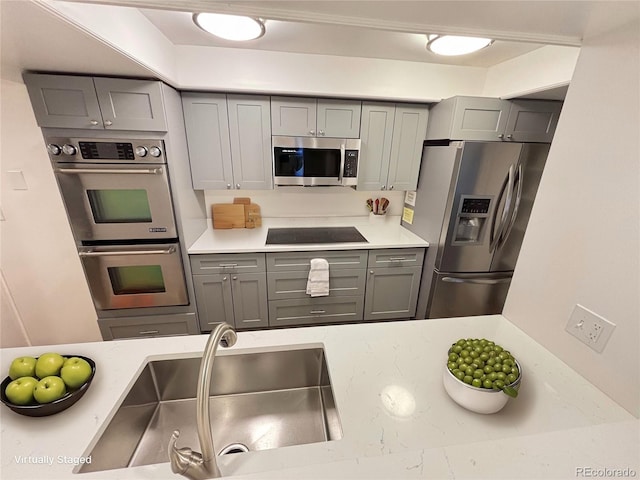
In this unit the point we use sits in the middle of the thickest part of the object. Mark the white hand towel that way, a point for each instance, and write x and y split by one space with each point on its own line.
318 280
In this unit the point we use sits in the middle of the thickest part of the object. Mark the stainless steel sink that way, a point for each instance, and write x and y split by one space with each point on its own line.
258 401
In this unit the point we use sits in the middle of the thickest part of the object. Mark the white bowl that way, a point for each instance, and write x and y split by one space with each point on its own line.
479 400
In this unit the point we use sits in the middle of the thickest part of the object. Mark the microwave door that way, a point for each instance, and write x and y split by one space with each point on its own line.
117 203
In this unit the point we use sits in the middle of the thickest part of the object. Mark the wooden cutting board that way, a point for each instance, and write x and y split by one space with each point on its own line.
228 215
252 216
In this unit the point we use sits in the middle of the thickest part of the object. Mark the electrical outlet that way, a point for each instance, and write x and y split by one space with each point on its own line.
590 328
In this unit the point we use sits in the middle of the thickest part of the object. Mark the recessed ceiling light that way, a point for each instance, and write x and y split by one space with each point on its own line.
230 27
451 45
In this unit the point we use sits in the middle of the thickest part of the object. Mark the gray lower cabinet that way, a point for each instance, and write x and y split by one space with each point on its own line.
312 311
230 288
66 101
393 282
153 326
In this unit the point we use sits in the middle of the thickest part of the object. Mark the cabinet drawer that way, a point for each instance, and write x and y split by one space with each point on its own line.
342 283
315 310
397 257
135 327
227 263
300 261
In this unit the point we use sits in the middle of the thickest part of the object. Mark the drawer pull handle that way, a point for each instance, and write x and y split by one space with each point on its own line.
228 265
316 312
396 259
149 332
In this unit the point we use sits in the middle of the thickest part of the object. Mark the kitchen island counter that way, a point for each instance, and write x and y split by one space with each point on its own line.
380 232
397 420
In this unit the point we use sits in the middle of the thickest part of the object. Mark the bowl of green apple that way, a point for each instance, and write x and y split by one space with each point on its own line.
48 384
481 375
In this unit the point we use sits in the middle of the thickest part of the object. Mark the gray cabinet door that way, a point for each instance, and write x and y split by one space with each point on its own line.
532 121
207 126
214 300
295 117
61 101
469 118
410 126
131 104
250 134
338 118
250 300
391 293
375 150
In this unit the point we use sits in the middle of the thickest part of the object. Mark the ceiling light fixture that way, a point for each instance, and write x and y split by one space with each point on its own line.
451 45
230 27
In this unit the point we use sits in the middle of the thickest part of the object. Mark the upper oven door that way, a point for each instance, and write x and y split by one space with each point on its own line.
117 202
315 161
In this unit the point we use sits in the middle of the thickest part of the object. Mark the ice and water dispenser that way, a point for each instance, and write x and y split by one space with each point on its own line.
471 220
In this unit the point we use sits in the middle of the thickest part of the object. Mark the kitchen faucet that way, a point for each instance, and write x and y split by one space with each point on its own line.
186 462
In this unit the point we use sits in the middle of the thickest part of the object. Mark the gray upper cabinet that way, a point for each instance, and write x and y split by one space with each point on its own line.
207 125
391 149
310 117
229 141
493 119
65 101
532 121
249 121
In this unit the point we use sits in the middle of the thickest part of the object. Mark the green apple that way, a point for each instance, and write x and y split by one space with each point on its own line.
49 364
49 389
22 367
75 372
20 391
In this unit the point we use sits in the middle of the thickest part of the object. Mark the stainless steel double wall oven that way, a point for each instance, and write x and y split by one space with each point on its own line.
118 199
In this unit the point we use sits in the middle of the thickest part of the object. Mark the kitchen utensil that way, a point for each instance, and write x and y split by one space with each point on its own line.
370 204
376 206
384 203
479 400
45 409
228 215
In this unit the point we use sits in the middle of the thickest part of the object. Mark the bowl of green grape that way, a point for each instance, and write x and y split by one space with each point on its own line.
481 375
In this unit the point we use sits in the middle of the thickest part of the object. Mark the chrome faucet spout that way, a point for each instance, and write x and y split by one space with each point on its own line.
184 461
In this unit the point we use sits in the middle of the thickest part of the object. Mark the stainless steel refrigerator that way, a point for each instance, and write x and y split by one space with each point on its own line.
472 205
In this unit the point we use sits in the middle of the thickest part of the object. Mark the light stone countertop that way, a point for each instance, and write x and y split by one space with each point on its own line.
380 232
558 424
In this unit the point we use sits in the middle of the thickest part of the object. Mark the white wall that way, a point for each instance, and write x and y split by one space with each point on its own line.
45 287
583 242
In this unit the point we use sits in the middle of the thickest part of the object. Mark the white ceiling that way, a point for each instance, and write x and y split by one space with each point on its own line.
332 39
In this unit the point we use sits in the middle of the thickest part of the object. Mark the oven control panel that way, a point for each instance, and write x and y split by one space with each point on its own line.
105 150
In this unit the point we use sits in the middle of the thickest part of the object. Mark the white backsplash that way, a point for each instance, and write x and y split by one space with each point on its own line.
309 201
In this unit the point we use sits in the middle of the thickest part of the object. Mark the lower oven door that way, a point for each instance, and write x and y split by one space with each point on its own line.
134 276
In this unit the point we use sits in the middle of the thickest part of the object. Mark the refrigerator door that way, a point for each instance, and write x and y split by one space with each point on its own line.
478 207
468 294
527 179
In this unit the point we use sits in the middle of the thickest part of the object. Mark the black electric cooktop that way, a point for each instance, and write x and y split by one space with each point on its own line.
283 236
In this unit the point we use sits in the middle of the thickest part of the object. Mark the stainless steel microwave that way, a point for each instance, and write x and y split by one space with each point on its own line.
311 161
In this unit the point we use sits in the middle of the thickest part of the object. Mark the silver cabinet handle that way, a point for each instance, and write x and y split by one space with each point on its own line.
227 265
509 137
108 123
149 332
138 171
228 186
238 186
94 122
390 187
321 132
477 281
224 279
234 278
396 259
316 312
371 272
500 136
113 253
312 132
383 187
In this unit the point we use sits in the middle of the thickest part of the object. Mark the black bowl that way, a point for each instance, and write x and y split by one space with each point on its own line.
44 409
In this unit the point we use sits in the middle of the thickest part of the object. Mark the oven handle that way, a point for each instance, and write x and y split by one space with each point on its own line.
151 171
92 253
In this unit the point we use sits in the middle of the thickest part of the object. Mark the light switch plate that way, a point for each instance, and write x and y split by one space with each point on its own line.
590 328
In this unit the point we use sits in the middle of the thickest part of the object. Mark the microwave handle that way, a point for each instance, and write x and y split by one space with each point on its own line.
342 156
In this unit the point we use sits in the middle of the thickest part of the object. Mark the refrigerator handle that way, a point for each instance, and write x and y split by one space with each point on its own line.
477 281
507 187
519 180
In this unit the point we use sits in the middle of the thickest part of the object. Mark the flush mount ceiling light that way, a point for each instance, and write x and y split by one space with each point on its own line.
451 45
230 27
